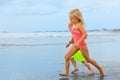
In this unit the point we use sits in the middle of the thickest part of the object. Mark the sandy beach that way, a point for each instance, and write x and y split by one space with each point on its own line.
42 58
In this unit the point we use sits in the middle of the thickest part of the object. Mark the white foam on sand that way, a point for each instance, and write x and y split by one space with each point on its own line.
51 34
38 34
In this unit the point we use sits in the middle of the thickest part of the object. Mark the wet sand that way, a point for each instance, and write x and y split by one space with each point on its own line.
45 62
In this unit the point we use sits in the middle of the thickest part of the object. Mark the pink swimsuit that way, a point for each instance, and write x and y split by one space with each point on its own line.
77 34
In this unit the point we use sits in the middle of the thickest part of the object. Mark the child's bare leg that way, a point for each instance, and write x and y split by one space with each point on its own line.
75 65
92 61
68 55
91 71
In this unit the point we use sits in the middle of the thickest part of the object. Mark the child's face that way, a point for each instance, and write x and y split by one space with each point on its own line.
74 20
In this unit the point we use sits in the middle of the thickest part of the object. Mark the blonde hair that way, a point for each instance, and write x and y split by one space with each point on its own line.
76 13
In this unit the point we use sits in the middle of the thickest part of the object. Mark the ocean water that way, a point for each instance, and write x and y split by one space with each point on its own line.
40 56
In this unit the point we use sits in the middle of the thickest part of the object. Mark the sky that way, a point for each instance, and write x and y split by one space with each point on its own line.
52 15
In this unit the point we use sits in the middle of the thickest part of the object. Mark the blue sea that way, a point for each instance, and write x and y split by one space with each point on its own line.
40 55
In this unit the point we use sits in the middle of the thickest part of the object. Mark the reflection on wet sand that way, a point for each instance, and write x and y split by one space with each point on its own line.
82 77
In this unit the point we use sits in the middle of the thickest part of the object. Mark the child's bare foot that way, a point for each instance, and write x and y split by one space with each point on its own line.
63 74
101 71
91 71
75 70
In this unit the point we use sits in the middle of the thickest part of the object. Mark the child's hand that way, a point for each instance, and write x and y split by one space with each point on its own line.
67 45
69 26
76 44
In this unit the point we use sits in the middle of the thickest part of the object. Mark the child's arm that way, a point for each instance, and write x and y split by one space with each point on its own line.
69 42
